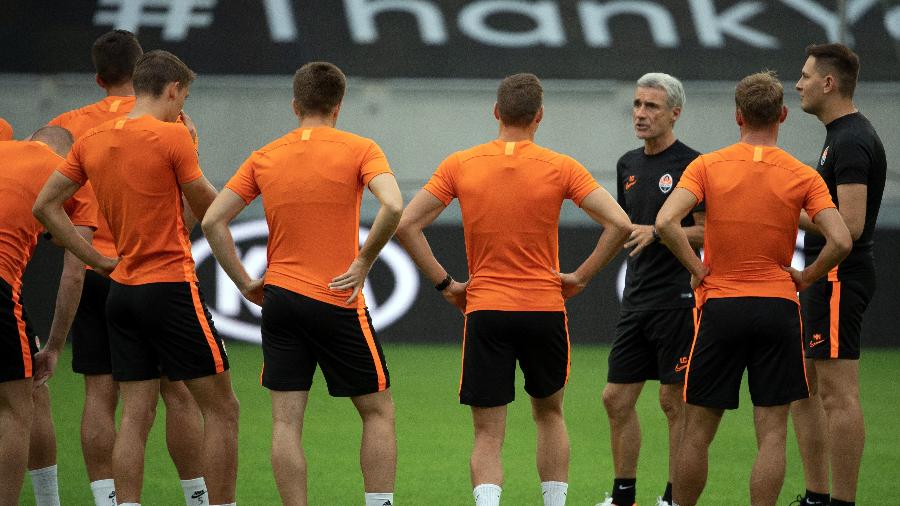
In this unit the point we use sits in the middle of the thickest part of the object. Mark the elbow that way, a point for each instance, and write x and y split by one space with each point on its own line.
664 224
843 243
624 227
394 210
39 211
208 225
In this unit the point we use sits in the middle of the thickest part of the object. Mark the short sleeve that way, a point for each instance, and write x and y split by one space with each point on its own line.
243 182
442 183
579 182
183 155
817 195
83 208
694 179
71 167
373 163
851 162
6 130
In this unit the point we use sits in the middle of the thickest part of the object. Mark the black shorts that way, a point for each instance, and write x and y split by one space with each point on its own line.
162 329
832 316
299 332
760 334
494 340
652 345
18 343
90 338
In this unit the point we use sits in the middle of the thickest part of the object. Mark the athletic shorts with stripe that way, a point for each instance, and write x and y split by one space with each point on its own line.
833 315
17 341
652 345
492 343
760 334
162 329
299 333
89 335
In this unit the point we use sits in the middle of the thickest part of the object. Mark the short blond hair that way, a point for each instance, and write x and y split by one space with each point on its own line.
760 98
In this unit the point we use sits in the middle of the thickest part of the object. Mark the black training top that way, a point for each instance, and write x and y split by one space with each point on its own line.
655 278
853 154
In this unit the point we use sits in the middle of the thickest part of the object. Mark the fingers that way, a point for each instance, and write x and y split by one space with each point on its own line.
353 296
637 249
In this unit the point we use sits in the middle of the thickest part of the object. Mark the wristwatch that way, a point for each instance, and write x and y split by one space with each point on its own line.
655 234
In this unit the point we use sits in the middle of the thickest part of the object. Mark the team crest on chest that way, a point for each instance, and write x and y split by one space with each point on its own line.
665 183
824 155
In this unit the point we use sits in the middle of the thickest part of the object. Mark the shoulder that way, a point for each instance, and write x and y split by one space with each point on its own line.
684 151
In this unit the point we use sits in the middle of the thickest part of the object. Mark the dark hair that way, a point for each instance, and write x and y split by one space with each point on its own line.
156 69
838 60
114 55
319 87
519 98
760 98
58 138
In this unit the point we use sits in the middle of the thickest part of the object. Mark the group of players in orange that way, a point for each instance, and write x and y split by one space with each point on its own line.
123 199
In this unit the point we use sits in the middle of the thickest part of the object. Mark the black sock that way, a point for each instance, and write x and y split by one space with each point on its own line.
623 491
667 495
838 502
813 498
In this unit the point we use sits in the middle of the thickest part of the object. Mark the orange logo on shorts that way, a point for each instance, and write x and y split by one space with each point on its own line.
682 364
816 340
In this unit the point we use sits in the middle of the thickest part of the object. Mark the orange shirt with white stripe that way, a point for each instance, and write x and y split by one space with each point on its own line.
135 167
753 197
26 167
311 181
6 130
510 194
78 122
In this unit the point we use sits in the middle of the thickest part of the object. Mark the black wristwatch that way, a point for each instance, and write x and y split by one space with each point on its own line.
655 234
443 284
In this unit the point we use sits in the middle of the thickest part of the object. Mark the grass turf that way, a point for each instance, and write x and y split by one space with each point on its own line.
434 437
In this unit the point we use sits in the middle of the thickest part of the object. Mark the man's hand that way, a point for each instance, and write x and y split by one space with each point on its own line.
641 236
572 284
697 279
797 276
106 267
254 292
455 294
44 365
353 279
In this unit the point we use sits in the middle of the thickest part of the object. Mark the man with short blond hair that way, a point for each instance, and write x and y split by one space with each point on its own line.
746 292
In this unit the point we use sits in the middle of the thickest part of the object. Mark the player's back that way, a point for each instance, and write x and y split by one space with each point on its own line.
79 121
311 181
136 166
753 197
26 167
510 194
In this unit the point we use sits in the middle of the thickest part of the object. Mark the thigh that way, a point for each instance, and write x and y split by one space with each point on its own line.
718 356
671 333
188 345
17 341
348 351
543 351
832 316
489 360
132 332
289 360
89 335
776 370
632 358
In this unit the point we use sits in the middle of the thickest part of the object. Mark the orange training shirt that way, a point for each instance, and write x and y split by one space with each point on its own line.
510 194
753 197
136 167
311 181
78 122
26 167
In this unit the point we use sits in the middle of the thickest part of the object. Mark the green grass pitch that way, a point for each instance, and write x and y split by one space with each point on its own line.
434 437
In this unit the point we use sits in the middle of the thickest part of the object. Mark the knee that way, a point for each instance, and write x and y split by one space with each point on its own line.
671 407
142 418
617 406
547 414
177 398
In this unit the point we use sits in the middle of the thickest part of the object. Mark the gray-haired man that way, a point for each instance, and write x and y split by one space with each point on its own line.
656 325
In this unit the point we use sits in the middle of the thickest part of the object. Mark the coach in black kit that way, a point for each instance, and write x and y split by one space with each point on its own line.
656 325
829 425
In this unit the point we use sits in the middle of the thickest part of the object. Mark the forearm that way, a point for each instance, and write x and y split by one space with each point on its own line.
608 246
416 244
382 230
828 258
190 221
57 222
222 244
695 235
67 299
676 239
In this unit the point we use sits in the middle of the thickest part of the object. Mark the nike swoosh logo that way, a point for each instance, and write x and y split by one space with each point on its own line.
625 488
811 344
629 185
679 368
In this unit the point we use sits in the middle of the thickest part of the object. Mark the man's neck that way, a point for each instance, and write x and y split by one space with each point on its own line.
317 121
121 90
147 106
656 145
837 110
516 134
766 136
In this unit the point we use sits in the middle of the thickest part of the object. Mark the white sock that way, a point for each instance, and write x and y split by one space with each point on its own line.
46 488
195 493
487 494
379 499
554 493
104 492
129 504
229 504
